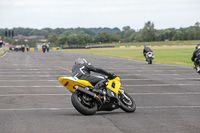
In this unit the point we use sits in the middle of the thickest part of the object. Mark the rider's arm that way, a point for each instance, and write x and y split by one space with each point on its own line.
99 70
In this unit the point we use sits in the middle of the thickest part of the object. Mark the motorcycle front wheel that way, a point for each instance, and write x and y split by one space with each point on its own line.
127 103
84 103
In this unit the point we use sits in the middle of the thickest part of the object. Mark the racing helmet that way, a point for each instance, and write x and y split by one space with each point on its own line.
198 46
80 60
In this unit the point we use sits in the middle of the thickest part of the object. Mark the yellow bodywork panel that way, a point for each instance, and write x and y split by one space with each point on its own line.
70 82
117 83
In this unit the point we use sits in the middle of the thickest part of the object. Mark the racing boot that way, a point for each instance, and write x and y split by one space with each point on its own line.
99 87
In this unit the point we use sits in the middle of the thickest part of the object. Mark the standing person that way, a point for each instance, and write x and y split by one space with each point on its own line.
47 45
146 50
196 58
27 48
82 70
23 48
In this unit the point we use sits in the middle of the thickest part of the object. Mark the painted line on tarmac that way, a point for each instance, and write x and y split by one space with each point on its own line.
186 93
29 69
167 107
146 74
14 95
122 85
64 68
187 78
31 75
24 72
35 109
28 80
30 86
57 109
165 85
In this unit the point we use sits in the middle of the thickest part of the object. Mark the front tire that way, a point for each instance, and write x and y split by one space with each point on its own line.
128 105
82 105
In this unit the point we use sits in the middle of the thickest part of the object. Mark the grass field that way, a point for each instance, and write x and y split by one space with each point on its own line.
188 42
174 55
1 51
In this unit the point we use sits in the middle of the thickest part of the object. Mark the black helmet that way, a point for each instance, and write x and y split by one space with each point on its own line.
198 46
80 60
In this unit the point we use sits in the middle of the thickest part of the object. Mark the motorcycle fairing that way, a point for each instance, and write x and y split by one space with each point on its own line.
70 82
116 86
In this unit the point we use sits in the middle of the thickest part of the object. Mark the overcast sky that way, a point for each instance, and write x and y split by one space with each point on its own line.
98 13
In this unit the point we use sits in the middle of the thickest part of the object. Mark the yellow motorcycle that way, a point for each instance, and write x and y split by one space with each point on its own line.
87 102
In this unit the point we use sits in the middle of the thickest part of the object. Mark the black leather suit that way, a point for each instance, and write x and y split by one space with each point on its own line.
196 57
146 50
82 71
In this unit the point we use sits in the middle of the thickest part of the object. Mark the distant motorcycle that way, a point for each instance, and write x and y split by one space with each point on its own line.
149 57
43 49
23 49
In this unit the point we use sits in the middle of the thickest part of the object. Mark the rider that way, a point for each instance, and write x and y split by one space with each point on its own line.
196 57
82 70
146 50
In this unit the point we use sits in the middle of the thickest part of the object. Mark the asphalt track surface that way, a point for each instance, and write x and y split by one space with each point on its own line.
33 101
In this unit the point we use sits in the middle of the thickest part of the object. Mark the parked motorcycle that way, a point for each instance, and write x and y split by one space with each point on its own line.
149 57
87 102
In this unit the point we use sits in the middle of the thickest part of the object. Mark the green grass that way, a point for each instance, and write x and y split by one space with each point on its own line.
1 51
173 56
189 42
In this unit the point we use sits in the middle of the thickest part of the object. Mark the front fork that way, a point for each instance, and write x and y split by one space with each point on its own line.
124 95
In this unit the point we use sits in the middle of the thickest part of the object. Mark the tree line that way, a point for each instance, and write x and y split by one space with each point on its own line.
84 36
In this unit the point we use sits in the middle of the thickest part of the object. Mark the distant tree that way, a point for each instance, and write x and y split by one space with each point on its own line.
62 39
103 37
53 39
125 28
147 33
178 36
73 40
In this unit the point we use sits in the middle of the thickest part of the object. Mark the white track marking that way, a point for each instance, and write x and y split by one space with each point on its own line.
35 109
28 80
165 85
184 93
14 95
139 107
31 86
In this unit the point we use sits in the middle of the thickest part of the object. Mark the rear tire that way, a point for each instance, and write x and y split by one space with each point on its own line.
81 105
150 62
128 105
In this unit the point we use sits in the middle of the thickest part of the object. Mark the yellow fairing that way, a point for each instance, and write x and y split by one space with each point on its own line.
117 83
70 82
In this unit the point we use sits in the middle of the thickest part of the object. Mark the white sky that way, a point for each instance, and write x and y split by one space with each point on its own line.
98 13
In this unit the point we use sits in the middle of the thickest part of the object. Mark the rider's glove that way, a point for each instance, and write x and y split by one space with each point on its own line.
112 76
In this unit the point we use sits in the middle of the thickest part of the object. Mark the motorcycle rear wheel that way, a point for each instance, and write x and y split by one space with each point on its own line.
128 105
82 106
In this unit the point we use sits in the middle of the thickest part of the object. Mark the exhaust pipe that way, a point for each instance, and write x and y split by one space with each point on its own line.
78 88
85 91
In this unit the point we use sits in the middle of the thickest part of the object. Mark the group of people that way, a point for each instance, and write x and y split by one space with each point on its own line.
45 47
